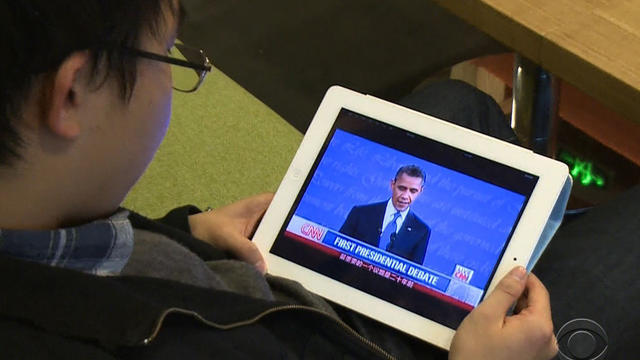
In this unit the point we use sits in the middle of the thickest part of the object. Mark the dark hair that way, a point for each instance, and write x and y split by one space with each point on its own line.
411 170
40 34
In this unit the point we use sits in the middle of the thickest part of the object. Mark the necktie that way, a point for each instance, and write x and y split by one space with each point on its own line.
385 238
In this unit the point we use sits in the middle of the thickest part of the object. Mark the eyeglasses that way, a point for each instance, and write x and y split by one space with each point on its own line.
189 66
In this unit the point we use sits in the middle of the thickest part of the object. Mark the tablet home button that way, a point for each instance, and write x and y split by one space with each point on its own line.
582 344
296 174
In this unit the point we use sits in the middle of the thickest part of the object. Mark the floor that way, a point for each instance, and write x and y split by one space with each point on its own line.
288 52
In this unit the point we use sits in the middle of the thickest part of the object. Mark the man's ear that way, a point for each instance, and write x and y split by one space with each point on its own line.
64 98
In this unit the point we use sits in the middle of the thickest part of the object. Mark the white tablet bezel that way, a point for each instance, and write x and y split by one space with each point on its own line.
552 175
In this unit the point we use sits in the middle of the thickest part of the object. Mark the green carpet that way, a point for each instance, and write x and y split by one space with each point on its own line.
222 145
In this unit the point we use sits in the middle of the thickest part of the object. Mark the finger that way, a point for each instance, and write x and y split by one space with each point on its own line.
520 305
505 293
538 300
255 204
247 207
539 307
523 302
258 208
263 200
246 251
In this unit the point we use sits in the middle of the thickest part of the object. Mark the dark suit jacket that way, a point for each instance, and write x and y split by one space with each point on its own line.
364 223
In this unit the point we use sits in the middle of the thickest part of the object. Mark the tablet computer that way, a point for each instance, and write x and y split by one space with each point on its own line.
403 217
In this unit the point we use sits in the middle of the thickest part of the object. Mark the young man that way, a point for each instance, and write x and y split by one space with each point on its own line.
86 97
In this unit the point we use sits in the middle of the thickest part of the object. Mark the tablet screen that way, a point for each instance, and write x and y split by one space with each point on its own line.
407 219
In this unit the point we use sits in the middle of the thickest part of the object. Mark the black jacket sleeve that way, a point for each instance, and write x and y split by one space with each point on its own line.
175 225
179 217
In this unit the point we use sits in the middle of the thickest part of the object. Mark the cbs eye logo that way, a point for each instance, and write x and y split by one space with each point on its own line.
582 339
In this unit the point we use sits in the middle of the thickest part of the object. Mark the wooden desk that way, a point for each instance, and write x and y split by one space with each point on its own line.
593 44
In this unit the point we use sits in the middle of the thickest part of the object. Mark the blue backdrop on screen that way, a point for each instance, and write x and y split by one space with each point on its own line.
469 219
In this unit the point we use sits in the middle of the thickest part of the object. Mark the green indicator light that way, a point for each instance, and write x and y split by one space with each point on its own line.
582 171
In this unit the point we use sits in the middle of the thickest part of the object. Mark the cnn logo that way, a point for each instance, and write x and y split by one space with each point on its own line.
312 232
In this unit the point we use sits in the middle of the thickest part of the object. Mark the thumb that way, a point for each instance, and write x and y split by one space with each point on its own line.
506 293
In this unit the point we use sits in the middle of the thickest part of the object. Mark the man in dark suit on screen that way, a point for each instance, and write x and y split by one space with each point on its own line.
391 225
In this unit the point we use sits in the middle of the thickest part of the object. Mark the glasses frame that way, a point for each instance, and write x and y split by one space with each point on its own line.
202 68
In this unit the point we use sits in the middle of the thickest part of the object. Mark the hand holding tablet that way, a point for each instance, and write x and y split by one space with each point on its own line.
229 228
416 249
525 335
